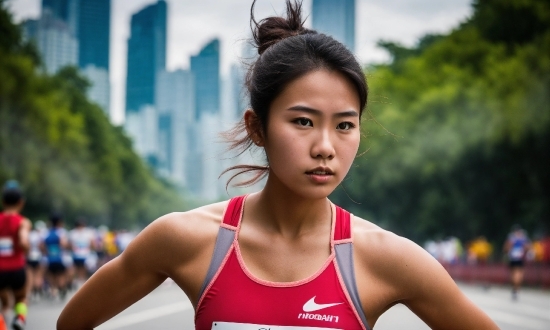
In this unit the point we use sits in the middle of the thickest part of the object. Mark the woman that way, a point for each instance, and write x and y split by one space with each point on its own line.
285 256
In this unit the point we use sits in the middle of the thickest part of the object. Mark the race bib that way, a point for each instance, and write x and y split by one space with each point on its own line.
81 249
34 254
6 246
54 250
243 326
516 253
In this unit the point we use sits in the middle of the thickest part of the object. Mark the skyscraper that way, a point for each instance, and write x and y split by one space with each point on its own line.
205 66
142 127
335 18
238 99
93 27
58 8
88 22
146 55
64 10
54 40
100 91
94 21
175 97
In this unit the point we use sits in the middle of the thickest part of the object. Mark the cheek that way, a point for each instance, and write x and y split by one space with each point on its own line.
348 150
283 146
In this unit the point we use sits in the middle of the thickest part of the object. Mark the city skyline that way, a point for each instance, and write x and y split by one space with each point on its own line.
191 25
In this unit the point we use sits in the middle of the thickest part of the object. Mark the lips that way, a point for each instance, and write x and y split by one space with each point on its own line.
321 170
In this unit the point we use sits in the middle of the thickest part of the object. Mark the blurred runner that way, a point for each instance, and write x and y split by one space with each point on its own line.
479 251
14 242
110 245
35 264
123 239
81 241
517 245
99 245
54 245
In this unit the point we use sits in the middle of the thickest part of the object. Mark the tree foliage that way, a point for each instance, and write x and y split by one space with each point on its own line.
459 138
62 148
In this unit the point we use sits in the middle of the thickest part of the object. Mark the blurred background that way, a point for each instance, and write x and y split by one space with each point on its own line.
111 110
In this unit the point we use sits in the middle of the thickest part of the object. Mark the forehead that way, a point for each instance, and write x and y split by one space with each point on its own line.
322 89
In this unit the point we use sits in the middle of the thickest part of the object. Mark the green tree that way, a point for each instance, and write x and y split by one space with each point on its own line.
458 139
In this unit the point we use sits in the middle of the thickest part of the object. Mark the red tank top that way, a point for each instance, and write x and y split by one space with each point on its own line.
12 256
232 298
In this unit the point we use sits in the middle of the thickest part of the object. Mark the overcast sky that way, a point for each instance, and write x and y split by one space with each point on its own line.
192 23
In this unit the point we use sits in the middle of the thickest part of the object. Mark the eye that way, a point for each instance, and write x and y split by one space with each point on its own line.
345 126
304 122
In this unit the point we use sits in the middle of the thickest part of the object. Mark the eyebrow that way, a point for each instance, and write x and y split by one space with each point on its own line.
301 108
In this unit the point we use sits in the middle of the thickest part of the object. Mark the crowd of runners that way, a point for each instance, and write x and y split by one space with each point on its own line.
46 260
61 259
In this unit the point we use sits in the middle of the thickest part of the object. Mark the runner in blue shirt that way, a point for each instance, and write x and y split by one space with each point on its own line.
54 245
517 245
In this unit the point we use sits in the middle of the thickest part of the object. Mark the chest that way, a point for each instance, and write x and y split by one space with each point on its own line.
237 296
279 260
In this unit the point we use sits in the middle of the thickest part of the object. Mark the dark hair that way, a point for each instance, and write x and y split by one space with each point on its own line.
287 51
56 218
11 194
80 222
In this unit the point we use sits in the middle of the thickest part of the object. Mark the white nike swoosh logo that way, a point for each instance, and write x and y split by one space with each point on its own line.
312 306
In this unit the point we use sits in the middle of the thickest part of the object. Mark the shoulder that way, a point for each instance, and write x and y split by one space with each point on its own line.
194 223
25 224
183 232
392 269
379 245
400 262
370 238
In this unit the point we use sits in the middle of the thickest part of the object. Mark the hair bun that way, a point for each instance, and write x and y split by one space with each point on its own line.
271 30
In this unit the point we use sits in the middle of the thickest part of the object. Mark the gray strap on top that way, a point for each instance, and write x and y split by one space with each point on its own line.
344 258
223 244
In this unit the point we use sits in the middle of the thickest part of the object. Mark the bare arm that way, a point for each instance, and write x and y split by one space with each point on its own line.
432 294
399 271
64 241
24 229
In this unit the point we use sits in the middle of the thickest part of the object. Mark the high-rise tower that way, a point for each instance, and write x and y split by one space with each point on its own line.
88 23
56 43
94 28
335 18
64 10
205 66
146 55
94 21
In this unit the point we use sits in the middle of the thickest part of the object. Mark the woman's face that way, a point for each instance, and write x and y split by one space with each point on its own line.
313 133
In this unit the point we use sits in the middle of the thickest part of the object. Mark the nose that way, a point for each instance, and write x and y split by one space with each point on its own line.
323 147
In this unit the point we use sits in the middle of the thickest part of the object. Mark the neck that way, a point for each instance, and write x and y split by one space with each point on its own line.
11 210
287 213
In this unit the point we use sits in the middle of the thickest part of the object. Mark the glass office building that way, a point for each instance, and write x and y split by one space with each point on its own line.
205 67
146 55
88 23
94 23
335 18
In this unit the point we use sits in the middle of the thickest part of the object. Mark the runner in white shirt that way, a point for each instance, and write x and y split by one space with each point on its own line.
35 260
81 240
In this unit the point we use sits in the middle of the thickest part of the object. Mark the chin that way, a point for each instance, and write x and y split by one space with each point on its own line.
303 189
314 192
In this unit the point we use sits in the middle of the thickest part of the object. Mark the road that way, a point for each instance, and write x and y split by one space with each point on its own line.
167 308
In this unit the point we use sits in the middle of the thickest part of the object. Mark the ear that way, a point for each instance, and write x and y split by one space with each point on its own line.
253 127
